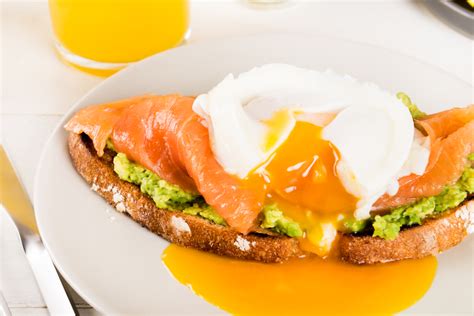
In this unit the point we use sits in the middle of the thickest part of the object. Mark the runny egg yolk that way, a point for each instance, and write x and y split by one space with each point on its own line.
302 170
300 177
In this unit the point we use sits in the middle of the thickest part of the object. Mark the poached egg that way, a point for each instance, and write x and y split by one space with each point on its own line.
326 145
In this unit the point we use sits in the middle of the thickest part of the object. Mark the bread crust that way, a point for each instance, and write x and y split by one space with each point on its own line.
434 236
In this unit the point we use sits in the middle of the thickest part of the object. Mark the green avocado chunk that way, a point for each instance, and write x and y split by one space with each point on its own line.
273 219
165 195
388 226
415 112
353 225
205 211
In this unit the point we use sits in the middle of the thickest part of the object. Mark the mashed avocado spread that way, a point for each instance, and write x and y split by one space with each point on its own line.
273 219
171 197
165 195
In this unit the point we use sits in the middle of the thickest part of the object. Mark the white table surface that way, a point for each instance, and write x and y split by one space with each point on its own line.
37 89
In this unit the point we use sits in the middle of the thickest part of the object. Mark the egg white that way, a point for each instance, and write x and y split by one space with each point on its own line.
372 130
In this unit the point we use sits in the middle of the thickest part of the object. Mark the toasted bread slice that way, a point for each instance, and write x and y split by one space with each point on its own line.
176 227
432 237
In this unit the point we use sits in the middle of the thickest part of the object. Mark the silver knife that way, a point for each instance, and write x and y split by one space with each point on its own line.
15 202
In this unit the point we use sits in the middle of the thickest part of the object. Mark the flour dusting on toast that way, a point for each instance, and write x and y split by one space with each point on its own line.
466 213
117 198
95 187
121 207
242 243
180 225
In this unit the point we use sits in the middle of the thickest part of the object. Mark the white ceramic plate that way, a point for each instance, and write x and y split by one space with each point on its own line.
115 264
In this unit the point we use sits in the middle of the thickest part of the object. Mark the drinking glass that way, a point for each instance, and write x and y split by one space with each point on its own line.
103 36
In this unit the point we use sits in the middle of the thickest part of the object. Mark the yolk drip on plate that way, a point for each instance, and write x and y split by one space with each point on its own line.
301 286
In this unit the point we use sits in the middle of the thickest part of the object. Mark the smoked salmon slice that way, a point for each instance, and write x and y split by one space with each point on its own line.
237 202
142 134
444 123
98 121
452 137
165 135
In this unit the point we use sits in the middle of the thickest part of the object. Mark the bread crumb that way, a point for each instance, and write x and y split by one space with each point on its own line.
180 225
121 207
242 243
117 198
94 187
446 222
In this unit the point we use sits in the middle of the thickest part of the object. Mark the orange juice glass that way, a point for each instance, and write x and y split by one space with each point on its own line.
102 36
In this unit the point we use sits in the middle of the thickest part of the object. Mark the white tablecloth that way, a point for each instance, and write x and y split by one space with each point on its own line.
37 89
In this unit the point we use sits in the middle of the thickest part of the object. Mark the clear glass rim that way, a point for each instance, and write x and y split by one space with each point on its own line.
83 62
80 61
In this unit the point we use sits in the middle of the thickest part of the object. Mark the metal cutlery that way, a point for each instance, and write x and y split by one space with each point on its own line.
16 208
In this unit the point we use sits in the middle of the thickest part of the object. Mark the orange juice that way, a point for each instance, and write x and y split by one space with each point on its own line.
93 33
